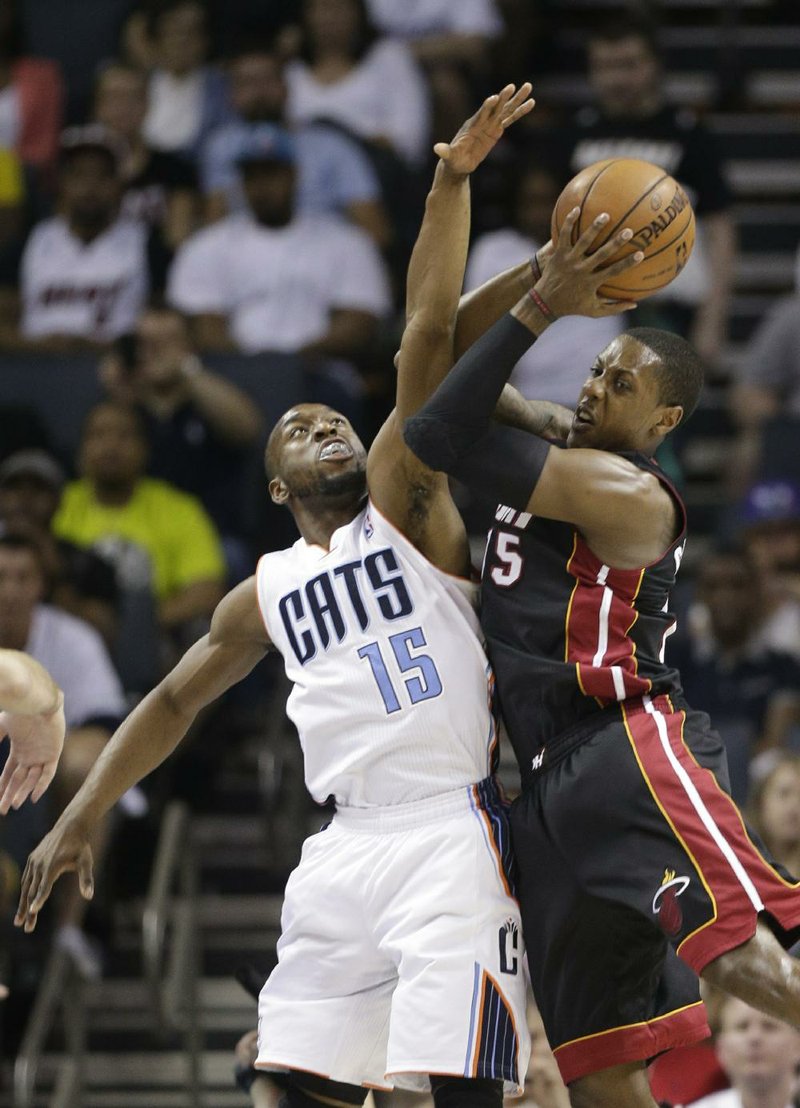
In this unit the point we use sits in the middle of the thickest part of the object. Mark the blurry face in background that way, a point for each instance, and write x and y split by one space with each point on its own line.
181 40
780 807
121 101
27 504
90 189
756 1051
730 590
536 197
624 75
257 88
21 587
113 451
775 546
162 344
334 24
269 189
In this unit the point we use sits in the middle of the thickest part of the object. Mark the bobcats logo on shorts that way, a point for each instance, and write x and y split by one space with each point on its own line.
509 946
665 902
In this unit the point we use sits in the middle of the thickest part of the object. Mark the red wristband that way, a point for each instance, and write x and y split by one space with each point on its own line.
544 308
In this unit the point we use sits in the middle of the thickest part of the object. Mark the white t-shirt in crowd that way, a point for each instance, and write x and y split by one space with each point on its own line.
383 97
175 109
415 18
76 657
557 365
95 290
728 1098
278 286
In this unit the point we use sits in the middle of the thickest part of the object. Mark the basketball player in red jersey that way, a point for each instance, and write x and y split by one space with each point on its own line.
636 871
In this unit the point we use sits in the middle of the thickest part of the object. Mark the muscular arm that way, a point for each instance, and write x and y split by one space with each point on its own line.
236 642
407 491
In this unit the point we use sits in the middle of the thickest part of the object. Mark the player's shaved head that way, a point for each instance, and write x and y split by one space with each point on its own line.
680 369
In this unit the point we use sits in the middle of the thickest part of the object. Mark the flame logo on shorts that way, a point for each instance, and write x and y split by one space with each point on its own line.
665 902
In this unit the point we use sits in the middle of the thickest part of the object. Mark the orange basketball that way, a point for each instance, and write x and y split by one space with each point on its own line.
641 196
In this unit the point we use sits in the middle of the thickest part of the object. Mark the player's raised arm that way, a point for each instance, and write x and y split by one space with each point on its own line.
398 484
236 641
597 491
32 716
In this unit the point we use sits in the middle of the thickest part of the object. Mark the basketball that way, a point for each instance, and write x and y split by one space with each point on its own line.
641 196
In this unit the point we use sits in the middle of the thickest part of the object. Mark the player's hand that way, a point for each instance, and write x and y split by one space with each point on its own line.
36 744
573 275
481 131
64 849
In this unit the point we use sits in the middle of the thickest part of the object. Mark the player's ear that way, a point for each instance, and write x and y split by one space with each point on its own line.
278 491
668 419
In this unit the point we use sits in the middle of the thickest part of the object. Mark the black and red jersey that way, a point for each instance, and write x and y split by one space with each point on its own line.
568 636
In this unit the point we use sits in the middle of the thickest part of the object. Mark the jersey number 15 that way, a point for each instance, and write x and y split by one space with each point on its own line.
423 685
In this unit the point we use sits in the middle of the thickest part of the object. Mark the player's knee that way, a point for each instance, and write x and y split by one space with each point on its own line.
466 1092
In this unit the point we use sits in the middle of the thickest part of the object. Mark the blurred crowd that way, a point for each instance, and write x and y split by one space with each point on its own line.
206 213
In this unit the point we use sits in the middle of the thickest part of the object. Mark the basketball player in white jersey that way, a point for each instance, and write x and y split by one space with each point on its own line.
400 960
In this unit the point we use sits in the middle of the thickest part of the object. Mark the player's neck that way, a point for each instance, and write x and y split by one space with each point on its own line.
317 519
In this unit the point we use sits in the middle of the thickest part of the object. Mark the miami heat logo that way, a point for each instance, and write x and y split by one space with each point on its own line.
665 902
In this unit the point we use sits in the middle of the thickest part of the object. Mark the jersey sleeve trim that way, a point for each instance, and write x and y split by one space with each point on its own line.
261 598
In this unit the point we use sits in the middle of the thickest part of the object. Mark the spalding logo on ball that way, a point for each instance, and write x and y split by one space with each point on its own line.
641 196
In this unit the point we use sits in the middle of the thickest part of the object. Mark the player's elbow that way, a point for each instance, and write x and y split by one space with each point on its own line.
427 437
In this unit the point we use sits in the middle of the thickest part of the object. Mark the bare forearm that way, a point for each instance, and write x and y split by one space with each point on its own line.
482 307
436 268
539 417
229 411
26 688
140 744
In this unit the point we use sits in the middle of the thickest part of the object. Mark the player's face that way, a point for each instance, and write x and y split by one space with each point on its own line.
780 807
121 102
112 451
619 403
315 452
755 1050
623 74
21 585
269 188
90 188
258 90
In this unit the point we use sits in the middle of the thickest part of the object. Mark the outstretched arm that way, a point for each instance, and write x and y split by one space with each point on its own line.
405 490
236 641
32 716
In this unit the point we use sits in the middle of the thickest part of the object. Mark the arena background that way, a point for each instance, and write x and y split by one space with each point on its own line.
138 1002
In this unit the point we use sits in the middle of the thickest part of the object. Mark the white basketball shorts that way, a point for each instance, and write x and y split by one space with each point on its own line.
401 949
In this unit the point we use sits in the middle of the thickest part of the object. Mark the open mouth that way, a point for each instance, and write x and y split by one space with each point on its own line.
583 418
334 450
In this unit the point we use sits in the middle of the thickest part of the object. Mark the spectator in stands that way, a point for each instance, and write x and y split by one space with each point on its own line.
31 97
75 656
77 580
198 424
333 172
760 1056
768 382
775 807
557 366
84 274
752 692
769 525
450 41
188 98
160 188
372 86
270 279
631 119
150 530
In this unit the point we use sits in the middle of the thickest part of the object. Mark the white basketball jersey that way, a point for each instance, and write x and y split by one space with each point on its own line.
95 290
392 688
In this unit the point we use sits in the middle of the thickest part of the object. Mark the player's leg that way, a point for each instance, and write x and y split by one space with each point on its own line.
623 1086
760 973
